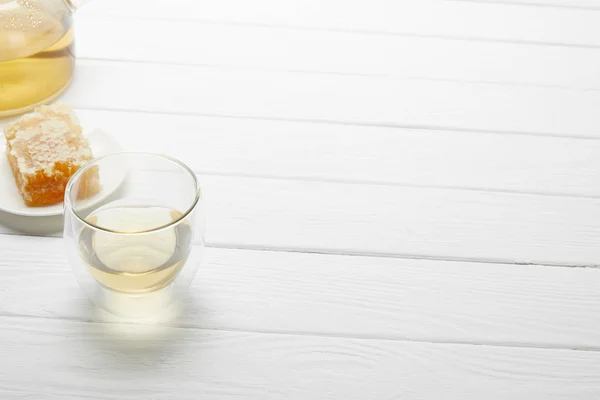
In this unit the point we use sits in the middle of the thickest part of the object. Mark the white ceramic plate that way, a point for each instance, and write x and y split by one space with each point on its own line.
110 179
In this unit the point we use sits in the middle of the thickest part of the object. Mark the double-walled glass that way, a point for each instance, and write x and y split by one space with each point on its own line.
134 244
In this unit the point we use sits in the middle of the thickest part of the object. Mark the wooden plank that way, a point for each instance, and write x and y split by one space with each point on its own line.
334 51
60 359
581 4
365 297
450 19
364 100
401 221
300 150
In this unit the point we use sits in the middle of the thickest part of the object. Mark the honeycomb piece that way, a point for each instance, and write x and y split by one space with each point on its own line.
44 148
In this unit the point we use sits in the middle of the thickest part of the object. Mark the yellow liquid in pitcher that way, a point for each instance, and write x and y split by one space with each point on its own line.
36 60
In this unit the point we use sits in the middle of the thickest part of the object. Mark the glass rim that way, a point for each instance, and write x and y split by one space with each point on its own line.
68 204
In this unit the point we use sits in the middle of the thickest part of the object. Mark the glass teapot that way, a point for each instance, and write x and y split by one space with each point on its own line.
36 52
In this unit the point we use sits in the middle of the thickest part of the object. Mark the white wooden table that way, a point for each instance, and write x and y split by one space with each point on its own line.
403 203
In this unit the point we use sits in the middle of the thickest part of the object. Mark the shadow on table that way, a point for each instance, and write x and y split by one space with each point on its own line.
142 342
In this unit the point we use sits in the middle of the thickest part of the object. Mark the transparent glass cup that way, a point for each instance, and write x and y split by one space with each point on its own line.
134 244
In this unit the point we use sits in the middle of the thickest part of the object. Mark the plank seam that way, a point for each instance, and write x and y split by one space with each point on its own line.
393 184
368 31
338 73
405 339
367 254
343 123
402 256
530 4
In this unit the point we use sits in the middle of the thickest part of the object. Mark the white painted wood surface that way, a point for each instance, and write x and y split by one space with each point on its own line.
577 4
67 359
331 295
336 98
402 197
495 20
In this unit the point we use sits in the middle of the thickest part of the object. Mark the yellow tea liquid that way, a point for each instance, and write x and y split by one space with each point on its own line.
36 56
135 263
